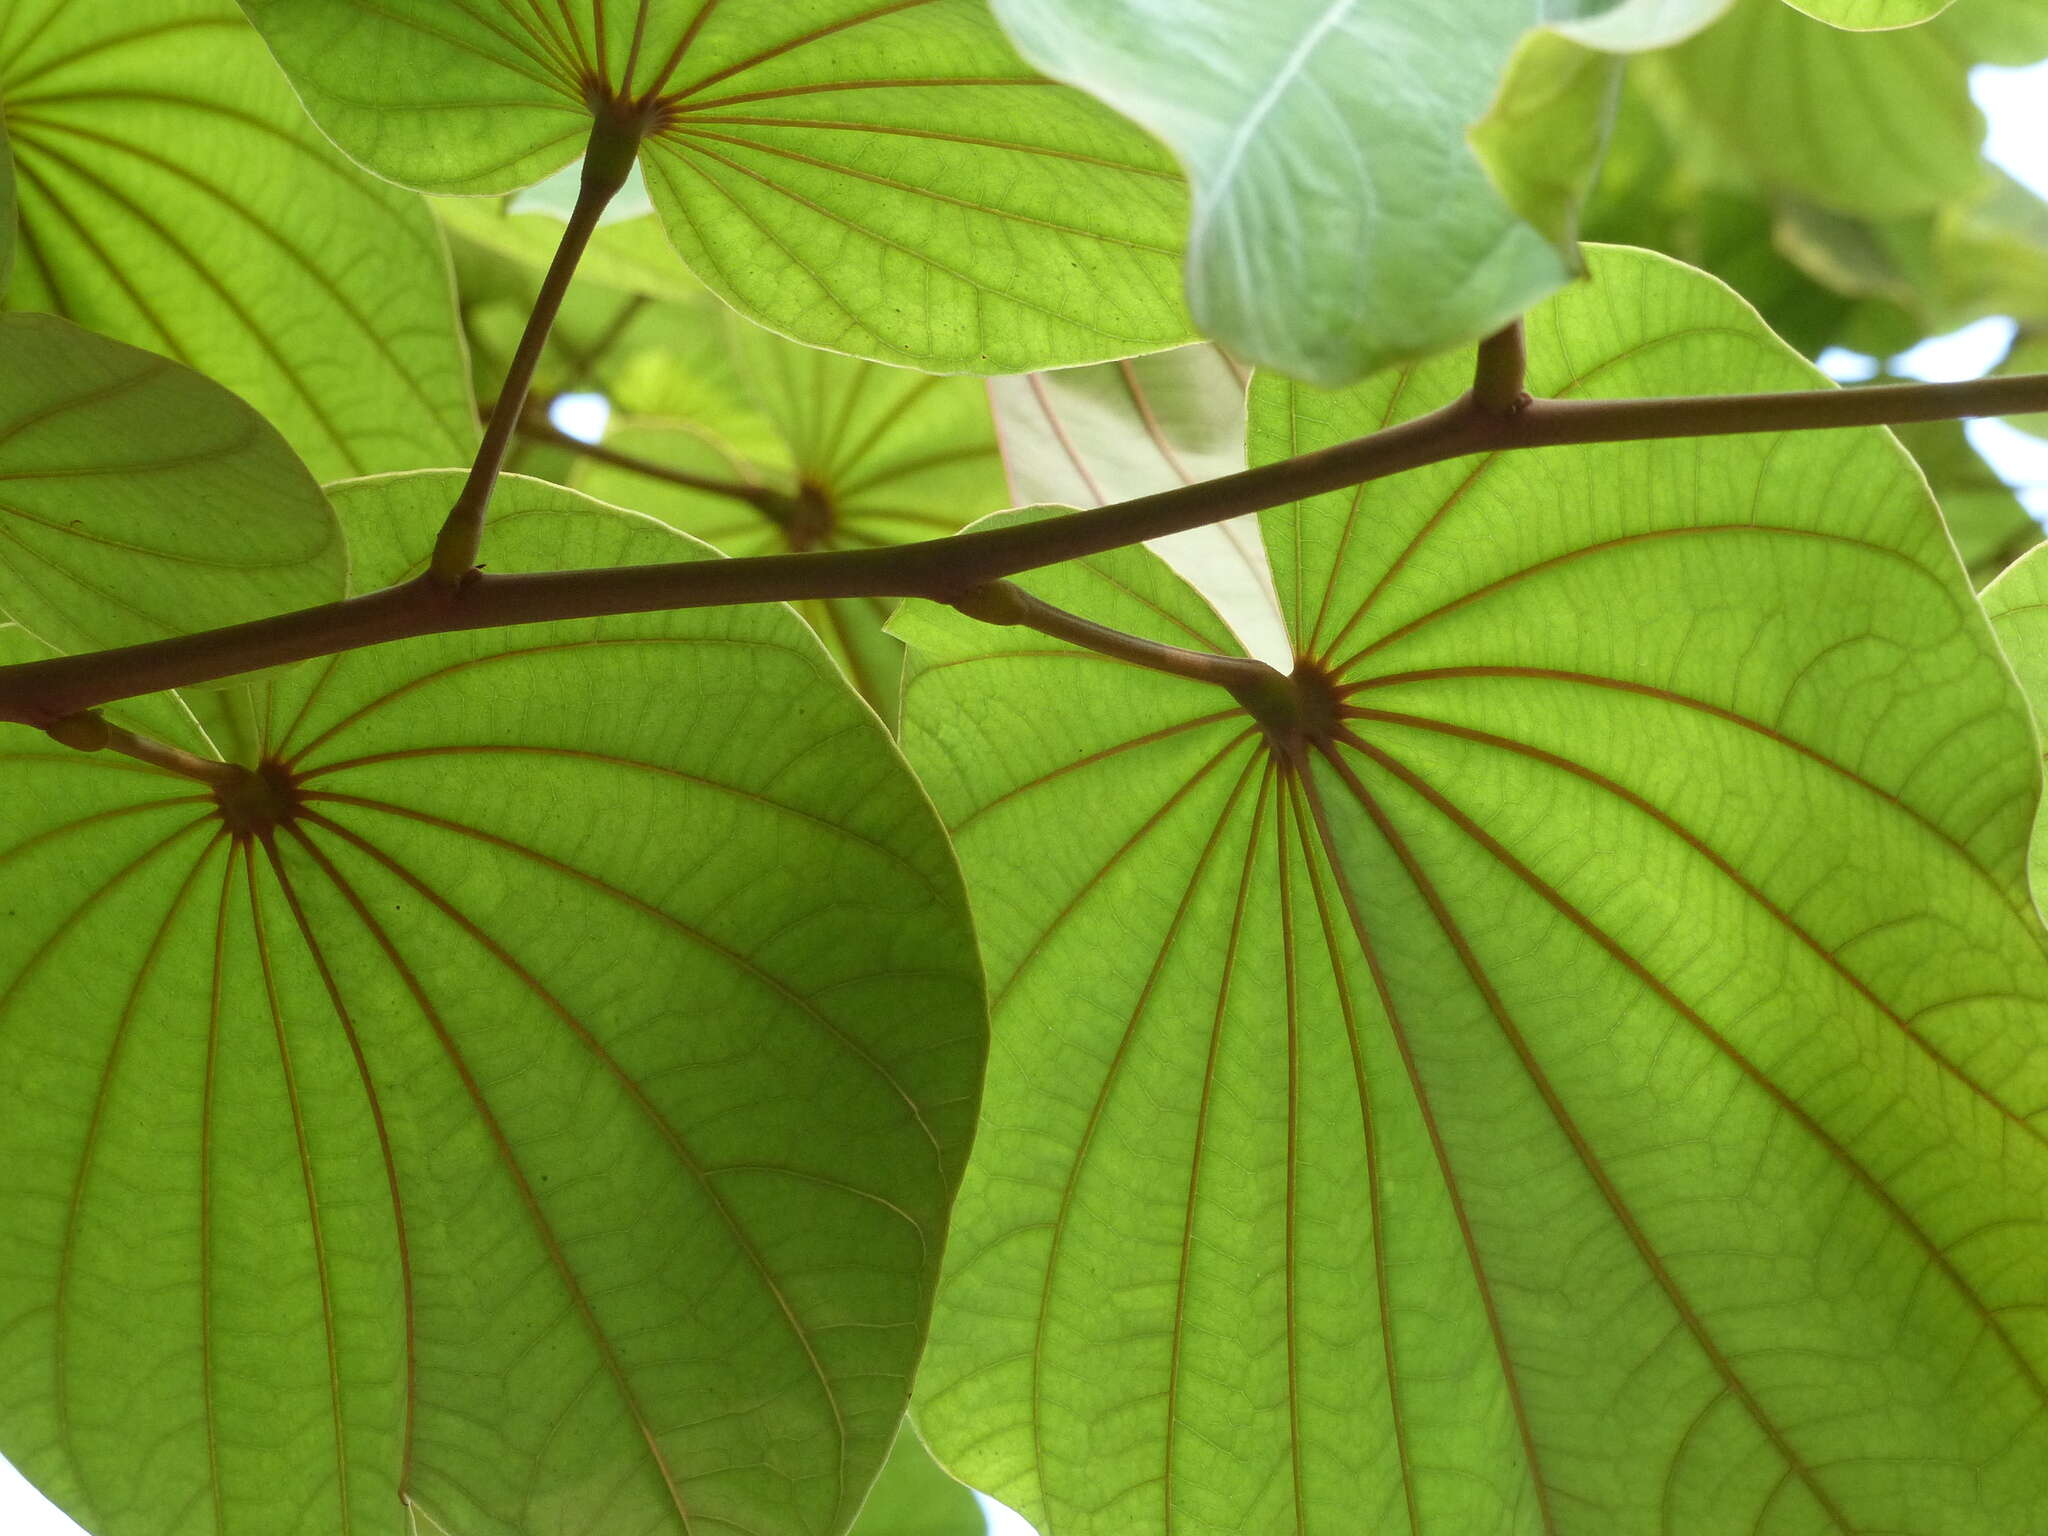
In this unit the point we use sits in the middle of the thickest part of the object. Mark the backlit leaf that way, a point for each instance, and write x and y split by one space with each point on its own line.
173 195
1085 437
814 163
1985 518
1584 1075
855 455
539 1115
139 500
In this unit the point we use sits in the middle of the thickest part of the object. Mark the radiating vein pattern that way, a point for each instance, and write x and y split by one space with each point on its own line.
172 194
453 1130
811 162
1588 1073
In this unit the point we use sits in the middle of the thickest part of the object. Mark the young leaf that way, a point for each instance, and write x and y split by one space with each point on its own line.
1573 1062
847 454
173 195
1085 437
533 1101
813 164
139 500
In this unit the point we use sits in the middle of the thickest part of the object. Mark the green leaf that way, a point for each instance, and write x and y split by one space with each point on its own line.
1877 123
813 164
1542 140
140 500
174 196
7 208
1340 223
1989 525
546 1121
1583 1076
853 455
1872 15
913 1497
2029 354
1085 437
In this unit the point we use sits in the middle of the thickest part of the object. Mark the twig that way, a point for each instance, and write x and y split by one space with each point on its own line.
39 693
607 162
1003 602
770 504
87 731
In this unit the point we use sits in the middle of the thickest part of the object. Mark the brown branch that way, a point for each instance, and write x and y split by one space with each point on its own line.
1502 371
40 693
607 162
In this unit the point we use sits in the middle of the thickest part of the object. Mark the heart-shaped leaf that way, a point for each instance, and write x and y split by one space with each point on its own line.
174 195
812 163
529 1103
1085 437
1573 1061
139 500
845 454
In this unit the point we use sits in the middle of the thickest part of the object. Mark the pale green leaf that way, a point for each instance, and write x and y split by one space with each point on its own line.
855 456
548 1125
1877 123
1542 139
913 1497
814 163
1587 1079
1085 437
1872 15
139 499
173 195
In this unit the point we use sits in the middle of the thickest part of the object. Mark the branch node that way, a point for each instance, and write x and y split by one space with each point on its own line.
995 602
1498 379
86 731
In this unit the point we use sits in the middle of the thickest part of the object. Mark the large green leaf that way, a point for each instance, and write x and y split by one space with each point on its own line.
814 163
1341 223
857 455
139 500
1585 1075
536 1110
174 195
1877 123
1085 437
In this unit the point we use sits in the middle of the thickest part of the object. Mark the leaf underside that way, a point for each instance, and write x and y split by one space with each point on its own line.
814 164
139 500
1591 1081
173 195
547 1123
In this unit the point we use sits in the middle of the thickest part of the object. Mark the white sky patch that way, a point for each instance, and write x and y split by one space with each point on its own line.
1846 367
2015 101
1969 353
24 1512
2020 458
1003 1520
583 416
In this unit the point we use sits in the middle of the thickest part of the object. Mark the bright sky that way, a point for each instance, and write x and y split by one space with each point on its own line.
2015 101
